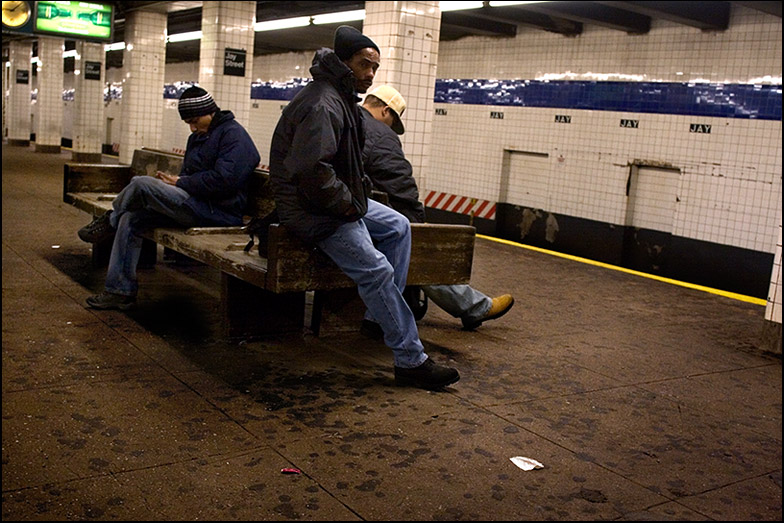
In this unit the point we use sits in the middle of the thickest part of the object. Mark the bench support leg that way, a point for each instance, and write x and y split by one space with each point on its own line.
339 310
249 311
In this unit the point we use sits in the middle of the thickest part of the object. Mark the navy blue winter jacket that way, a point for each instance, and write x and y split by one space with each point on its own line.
216 171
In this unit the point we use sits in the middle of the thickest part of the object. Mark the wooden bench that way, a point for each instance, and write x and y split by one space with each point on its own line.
261 296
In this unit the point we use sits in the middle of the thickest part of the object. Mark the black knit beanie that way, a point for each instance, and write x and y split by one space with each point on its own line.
349 40
195 101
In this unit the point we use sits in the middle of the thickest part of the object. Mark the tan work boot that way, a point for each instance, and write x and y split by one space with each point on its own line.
500 306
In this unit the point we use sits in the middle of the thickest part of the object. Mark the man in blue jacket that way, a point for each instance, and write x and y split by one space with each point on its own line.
211 190
321 195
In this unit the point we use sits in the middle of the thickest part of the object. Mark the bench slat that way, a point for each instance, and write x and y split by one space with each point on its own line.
440 254
94 178
89 202
221 251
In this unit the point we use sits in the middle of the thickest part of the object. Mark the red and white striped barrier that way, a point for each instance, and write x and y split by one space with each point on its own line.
460 204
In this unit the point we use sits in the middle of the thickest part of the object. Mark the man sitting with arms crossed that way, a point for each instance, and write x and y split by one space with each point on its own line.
321 194
386 165
210 191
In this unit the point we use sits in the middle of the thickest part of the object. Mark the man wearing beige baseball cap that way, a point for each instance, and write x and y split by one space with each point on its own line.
386 165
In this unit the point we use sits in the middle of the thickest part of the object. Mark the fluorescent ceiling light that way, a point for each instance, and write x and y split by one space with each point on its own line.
502 3
459 6
70 54
184 37
116 46
285 23
336 18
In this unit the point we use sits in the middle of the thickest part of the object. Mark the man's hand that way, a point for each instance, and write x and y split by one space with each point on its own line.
171 179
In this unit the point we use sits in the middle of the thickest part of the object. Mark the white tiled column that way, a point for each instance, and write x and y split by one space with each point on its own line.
49 132
6 83
407 34
88 121
18 112
226 26
772 330
144 63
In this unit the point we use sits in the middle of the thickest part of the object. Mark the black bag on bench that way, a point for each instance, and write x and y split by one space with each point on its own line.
258 228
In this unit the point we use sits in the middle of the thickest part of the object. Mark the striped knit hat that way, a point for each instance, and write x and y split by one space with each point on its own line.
195 101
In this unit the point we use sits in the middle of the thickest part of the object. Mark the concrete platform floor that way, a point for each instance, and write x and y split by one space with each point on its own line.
643 400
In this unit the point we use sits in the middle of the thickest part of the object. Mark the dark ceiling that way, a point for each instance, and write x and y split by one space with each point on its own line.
566 18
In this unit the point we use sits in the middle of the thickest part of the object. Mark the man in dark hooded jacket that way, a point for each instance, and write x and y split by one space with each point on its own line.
386 165
321 195
211 190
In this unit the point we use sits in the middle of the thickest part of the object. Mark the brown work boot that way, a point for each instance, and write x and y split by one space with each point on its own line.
500 306
428 375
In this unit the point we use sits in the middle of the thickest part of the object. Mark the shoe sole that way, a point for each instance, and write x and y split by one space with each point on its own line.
493 317
88 239
123 307
408 382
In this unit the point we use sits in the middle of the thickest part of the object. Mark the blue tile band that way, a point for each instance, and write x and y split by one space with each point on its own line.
761 102
695 99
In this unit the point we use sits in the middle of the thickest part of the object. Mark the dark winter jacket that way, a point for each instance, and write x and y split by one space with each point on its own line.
387 167
216 170
316 154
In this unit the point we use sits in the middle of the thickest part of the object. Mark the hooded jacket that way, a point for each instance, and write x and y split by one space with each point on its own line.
216 170
316 154
387 167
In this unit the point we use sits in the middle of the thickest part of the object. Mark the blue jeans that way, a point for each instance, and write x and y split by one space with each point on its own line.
380 272
461 301
145 203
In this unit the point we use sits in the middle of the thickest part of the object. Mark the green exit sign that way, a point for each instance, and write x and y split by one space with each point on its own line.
87 20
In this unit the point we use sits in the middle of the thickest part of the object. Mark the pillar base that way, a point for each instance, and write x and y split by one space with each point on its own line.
19 143
86 157
771 337
49 149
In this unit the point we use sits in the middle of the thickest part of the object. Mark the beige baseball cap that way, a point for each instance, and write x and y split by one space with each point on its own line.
395 101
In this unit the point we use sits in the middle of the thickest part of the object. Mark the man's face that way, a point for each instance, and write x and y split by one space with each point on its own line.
199 124
382 114
364 64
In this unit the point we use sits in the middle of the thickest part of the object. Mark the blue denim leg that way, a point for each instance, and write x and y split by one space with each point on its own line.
145 203
152 194
351 248
461 301
391 234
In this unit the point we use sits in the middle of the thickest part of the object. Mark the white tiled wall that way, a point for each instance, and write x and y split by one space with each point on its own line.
88 123
264 115
227 25
49 113
407 33
729 179
282 67
144 62
18 115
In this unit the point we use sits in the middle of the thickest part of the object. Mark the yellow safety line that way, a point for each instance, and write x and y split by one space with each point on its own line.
726 294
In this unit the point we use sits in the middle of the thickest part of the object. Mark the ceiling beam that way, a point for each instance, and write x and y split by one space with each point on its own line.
771 8
593 13
478 26
547 22
708 16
